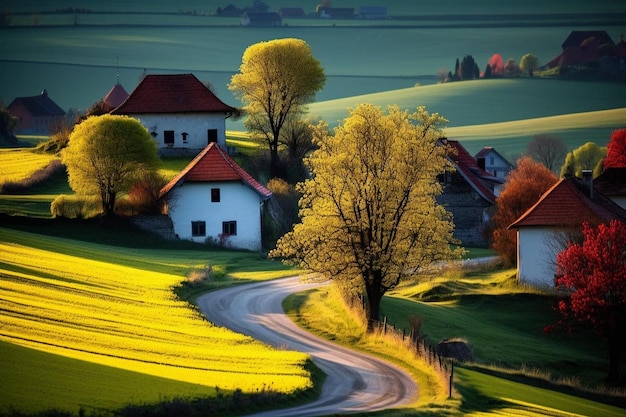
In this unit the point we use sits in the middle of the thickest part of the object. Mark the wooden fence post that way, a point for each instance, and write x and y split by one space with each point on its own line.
451 379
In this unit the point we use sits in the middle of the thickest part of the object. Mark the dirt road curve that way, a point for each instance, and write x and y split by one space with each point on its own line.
356 382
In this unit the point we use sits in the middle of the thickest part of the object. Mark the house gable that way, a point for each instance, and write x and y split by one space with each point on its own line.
569 203
213 164
493 162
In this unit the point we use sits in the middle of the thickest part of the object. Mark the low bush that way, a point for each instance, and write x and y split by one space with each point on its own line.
75 207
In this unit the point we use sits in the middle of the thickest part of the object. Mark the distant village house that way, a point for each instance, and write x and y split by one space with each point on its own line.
372 12
256 19
36 114
591 50
493 162
469 193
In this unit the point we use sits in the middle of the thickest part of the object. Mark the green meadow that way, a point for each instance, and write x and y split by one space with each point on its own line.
517 368
505 113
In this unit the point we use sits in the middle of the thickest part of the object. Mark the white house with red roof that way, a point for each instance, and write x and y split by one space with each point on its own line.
545 228
214 199
179 111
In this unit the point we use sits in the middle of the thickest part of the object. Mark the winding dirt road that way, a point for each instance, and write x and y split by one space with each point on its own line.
356 382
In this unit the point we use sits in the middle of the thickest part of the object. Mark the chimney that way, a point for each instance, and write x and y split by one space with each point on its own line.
588 181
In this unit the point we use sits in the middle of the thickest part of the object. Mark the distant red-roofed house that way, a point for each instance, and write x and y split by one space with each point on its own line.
179 111
583 48
116 96
559 214
36 114
214 198
469 193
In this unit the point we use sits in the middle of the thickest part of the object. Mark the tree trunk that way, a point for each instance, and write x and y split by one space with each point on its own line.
373 310
274 162
615 347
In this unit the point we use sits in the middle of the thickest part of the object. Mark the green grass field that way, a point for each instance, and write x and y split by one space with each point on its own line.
107 315
492 113
503 325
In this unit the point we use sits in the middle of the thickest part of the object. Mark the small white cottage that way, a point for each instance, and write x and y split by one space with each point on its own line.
214 199
179 111
544 229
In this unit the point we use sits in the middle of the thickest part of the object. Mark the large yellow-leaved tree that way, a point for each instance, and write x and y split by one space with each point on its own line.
106 155
369 217
276 80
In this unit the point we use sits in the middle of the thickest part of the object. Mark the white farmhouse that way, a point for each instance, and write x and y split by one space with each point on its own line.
179 111
493 162
213 198
544 229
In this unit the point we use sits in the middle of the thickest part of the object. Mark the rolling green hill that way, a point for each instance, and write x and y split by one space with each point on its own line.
506 113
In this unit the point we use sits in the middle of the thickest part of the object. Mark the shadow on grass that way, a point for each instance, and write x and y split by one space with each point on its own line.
224 403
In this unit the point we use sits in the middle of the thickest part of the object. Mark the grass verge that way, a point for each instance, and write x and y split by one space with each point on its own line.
503 324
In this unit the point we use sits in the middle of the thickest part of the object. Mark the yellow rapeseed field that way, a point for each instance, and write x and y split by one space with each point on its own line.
20 163
129 318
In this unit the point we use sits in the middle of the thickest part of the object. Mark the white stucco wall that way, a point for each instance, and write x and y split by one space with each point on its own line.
238 202
195 124
536 256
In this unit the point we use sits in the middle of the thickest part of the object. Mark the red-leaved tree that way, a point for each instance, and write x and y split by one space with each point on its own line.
497 64
616 150
595 273
524 186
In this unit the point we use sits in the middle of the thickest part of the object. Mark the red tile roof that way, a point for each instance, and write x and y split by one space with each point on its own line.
116 95
172 93
469 169
38 106
213 164
568 203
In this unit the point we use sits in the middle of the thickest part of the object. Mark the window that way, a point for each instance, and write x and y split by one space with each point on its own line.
185 134
212 135
229 228
168 137
215 195
198 228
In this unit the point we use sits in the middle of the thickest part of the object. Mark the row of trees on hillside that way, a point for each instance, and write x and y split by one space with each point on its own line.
468 69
